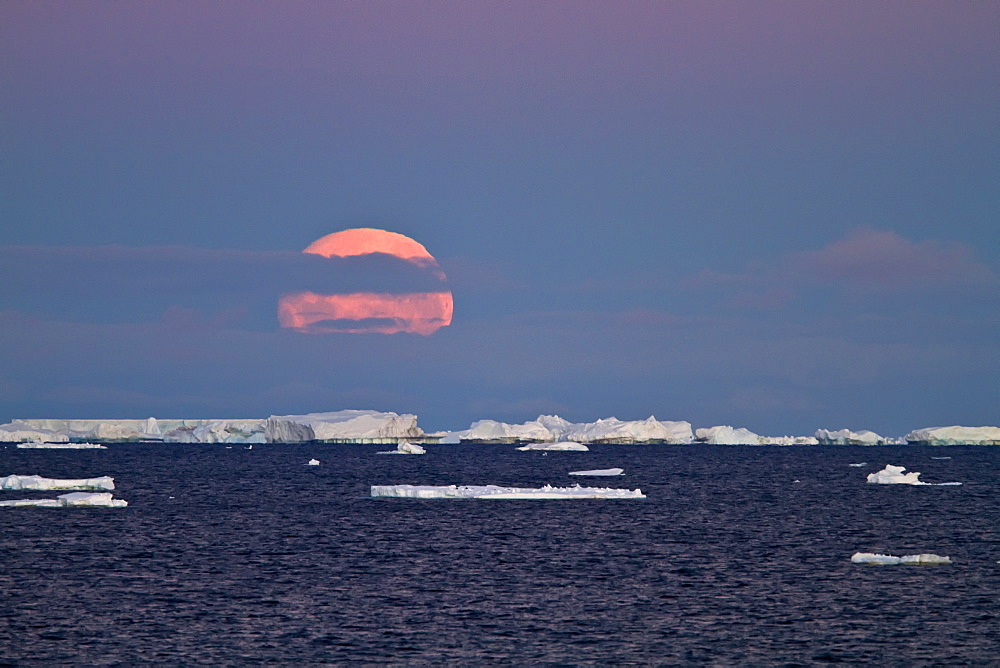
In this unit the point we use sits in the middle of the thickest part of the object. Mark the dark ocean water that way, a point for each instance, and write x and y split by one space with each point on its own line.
233 556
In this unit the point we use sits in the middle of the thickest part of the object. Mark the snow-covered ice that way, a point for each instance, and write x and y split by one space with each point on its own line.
312 462
62 446
219 431
20 431
893 475
37 482
726 435
599 472
848 437
342 426
74 499
954 436
569 446
496 492
405 448
889 560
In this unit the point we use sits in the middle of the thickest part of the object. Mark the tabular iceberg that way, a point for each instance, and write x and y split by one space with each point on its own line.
62 446
349 426
565 446
552 428
848 437
496 492
726 435
405 449
954 436
219 431
74 499
20 431
889 560
599 472
36 482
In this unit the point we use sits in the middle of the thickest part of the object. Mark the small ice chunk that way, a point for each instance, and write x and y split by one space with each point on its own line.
599 472
931 457
569 446
859 464
893 475
405 448
313 462
889 560
497 492
37 482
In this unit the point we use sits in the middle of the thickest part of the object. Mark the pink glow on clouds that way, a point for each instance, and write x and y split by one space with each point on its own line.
418 313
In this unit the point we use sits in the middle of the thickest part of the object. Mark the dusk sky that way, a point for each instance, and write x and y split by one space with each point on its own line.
777 215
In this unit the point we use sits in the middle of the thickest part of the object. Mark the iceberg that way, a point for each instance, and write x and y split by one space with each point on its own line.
893 475
599 472
859 464
726 435
405 449
75 499
788 440
349 426
954 436
848 437
62 446
552 428
496 492
312 462
219 431
566 446
36 482
889 560
20 431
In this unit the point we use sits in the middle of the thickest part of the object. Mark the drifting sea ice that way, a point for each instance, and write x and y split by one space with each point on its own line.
599 472
36 482
62 446
72 500
496 492
568 446
405 448
893 475
860 464
312 462
889 560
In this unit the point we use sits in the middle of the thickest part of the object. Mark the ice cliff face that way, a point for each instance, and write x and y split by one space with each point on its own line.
726 435
219 431
955 436
848 437
342 426
19 431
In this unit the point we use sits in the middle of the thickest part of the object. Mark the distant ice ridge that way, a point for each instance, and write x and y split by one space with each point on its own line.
889 560
567 446
495 492
74 499
405 448
37 482
954 436
848 437
552 428
62 446
342 427
893 475
599 472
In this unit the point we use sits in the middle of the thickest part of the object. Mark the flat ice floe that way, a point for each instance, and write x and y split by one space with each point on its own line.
62 446
599 472
496 492
405 448
568 446
859 464
37 482
889 560
893 475
72 500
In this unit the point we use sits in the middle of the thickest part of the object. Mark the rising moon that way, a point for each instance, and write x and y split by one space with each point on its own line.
369 312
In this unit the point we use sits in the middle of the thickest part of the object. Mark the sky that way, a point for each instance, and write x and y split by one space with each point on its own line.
776 215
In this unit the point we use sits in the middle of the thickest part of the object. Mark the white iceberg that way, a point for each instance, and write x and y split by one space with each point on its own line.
954 436
599 472
788 440
36 482
62 446
726 435
349 426
491 431
312 462
889 560
405 448
20 431
219 431
566 446
859 464
848 437
496 492
893 475
74 499
552 428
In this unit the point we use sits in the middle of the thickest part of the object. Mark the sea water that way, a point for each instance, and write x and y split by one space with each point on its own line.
739 555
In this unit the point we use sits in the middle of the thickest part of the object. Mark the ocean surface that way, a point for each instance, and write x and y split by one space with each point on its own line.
739 556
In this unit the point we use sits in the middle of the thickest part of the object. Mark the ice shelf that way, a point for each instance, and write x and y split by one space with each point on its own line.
496 492
37 482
